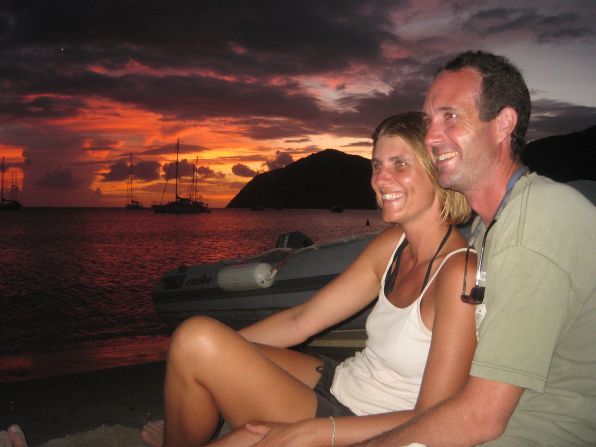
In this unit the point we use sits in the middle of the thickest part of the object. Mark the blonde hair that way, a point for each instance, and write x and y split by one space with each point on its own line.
412 126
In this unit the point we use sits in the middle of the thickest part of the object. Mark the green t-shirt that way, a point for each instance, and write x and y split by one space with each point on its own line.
538 331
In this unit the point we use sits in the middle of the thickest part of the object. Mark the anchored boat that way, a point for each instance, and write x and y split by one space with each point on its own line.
242 291
8 204
131 203
183 205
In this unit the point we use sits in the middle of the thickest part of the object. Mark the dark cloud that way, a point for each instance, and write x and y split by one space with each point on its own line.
272 129
99 144
185 169
281 160
189 97
359 144
299 140
44 142
554 28
558 118
205 172
230 36
118 172
146 171
170 149
195 98
369 110
51 47
60 178
248 55
247 157
243 171
45 106
142 171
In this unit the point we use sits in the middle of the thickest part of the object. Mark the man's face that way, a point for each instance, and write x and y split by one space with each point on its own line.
462 146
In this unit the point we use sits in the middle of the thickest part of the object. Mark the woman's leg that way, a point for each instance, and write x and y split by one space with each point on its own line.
212 370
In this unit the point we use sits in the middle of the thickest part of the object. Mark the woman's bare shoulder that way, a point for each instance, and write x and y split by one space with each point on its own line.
456 264
380 248
390 234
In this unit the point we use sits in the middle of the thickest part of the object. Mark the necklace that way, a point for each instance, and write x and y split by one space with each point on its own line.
476 295
510 184
392 274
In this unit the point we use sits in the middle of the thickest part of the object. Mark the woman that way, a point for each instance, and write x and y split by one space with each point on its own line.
421 337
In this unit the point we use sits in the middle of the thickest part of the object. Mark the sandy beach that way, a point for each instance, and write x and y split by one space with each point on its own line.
100 408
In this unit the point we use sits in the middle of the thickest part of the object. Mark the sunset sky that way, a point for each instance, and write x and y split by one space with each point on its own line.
249 86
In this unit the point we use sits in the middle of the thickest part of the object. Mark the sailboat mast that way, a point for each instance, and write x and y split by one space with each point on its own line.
195 180
13 187
130 180
2 193
177 150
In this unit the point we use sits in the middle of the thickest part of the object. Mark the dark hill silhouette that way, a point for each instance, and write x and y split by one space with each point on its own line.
325 179
564 157
332 178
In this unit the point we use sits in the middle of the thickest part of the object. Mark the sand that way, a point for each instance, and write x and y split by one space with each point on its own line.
101 408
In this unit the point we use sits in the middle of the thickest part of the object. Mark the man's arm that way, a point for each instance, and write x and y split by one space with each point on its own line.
479 413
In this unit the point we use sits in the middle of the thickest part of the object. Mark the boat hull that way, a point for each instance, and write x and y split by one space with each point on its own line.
194 290
181 208
10 205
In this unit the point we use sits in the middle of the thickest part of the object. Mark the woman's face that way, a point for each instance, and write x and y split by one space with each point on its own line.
401 184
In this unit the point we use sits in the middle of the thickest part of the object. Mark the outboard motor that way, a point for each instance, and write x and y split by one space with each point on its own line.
294 239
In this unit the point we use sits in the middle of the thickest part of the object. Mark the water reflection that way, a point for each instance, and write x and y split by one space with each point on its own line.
83 278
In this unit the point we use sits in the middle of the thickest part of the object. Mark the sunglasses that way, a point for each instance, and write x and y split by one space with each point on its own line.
476 295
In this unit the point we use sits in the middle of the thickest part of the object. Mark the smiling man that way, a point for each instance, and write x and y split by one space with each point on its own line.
533 378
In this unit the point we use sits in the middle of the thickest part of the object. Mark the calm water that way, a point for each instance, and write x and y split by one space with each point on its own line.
76 284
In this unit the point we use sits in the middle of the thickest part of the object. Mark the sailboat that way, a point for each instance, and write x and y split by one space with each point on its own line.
8 204
183 205
131 203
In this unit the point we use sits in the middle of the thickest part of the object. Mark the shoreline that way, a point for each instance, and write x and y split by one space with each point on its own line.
80 358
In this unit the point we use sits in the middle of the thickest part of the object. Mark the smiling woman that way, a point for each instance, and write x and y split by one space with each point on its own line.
395 180
404 155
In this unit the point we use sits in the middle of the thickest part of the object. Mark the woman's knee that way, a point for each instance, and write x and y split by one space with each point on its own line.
199 336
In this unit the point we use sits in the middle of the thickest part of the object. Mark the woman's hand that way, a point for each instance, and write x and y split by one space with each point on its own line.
306 433
240 437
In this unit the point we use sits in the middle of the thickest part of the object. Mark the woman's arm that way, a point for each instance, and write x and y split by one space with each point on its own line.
317 432
454 334
351 291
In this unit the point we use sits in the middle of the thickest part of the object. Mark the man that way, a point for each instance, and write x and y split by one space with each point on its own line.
533 378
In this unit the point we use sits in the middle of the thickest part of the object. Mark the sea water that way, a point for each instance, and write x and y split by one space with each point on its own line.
76 283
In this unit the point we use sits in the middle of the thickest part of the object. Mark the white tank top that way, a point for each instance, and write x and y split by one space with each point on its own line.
386 375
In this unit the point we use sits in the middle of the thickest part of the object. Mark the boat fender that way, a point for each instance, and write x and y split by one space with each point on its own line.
250 276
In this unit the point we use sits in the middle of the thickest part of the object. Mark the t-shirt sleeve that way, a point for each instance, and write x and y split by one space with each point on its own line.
527 302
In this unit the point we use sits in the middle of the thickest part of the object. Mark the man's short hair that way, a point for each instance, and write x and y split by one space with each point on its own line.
502 86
